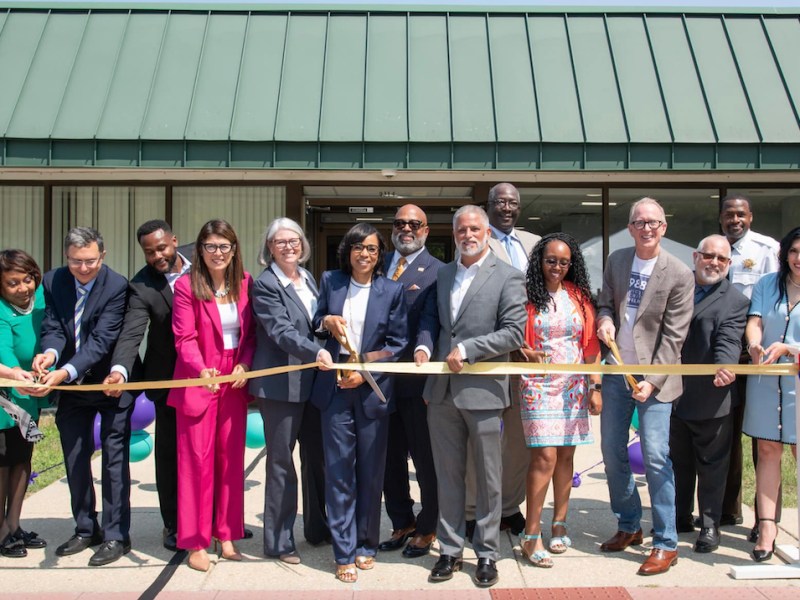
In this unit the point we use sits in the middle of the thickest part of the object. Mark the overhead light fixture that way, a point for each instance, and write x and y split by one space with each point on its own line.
595 203
534 218
715 196
593 195
369 219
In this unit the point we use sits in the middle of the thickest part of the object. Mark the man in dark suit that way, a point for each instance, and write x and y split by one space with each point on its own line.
645 306
150 301
412 265
481 318
702 417
84 310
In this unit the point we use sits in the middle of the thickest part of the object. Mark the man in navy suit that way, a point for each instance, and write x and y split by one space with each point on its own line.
84 310
702 422
412 265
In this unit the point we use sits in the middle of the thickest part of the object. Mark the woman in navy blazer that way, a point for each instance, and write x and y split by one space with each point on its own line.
284 299
359 303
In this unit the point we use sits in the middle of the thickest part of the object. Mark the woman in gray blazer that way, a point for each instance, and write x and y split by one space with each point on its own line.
284 299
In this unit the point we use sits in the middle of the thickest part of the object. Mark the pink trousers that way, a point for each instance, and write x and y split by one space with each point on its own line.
211 467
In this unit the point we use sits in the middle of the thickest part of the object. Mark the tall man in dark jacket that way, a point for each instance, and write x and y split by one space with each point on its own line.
84 309
702 417
412 265
150 301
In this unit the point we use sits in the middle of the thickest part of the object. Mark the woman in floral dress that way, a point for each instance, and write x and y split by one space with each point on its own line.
555 408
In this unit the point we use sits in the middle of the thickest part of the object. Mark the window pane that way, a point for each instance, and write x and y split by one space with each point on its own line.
21 218
575 211
691 216
775 211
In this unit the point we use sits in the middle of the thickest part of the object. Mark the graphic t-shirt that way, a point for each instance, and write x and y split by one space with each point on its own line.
641 270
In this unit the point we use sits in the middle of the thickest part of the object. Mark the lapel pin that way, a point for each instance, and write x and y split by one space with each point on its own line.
420 269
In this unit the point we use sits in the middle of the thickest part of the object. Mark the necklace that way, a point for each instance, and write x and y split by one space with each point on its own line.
223 292
23 311
797 285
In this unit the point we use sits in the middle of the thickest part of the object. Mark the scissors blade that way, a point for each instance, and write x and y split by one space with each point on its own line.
374 385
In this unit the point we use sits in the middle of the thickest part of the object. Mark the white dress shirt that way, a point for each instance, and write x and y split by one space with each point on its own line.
752 256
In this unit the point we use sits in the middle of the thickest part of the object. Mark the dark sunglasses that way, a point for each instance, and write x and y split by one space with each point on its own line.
413 224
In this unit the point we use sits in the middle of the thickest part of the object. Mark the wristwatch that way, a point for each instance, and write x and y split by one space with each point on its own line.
596 387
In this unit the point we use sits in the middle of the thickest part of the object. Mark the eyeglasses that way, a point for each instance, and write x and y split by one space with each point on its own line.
512 204
212 248
371 249
552 262
652 224
291 243
723 260
413 224
89 263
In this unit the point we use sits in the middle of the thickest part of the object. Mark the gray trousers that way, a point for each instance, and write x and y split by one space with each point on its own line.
453 432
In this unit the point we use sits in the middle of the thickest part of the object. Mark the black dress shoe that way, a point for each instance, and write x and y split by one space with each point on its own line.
109 552
685 524
13 547
469 530
708 540
444 568
31 539
248 534
486 573
420 545
397 540
730 520
515 522
78 543
170 539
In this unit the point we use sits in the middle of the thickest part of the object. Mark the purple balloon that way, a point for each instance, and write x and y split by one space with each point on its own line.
576 480
635 458
96 430
144 413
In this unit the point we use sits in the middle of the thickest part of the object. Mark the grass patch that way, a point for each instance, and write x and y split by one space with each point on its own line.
788 475
47 453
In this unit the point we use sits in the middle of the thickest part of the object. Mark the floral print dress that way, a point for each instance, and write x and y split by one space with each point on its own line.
555 408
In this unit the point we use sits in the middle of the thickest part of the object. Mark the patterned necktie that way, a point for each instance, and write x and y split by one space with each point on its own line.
401 266
79 306
509 243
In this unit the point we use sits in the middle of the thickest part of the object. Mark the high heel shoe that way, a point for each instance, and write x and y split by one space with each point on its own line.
765 555
198 560
227 550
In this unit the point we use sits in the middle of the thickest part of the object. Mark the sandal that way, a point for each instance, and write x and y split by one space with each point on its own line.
346 573
538 558
30 538
764 555
560 543
365 563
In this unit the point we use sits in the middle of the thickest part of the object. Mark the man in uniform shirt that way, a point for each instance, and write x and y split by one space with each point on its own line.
752 256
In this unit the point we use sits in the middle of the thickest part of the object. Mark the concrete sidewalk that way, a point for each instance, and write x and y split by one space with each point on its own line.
583 566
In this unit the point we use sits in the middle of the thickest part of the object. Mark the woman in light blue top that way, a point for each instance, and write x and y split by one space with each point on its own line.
773 336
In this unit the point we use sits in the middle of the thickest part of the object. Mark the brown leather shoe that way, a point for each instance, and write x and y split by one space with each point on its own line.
419 545
621 540
398 539
658 562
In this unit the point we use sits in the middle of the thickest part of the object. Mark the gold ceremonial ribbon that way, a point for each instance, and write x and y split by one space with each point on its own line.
440 368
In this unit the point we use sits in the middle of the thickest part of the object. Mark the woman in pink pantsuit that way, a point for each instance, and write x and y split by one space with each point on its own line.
214 335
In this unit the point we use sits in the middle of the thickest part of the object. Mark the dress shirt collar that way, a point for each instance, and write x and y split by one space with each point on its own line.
282 277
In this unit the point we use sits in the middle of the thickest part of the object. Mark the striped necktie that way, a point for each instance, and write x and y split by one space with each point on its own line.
79 306
398 270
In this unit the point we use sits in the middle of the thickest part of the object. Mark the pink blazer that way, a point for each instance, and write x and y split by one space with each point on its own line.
198 342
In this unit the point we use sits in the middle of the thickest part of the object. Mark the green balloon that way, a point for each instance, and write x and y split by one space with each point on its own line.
254 435
141 445
635 420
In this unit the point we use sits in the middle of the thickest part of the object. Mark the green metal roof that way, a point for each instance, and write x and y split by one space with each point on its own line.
310 89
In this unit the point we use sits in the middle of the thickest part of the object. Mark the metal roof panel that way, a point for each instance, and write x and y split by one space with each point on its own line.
638 80
603 120
19 39
682 92
470 80
784 37
256 105
515 112
88 85
41 95
215 91
727 103
342 117
428 79
132 78
762 80
301 79
386 96
559 113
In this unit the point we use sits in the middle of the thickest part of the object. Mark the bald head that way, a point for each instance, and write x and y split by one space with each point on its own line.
410 229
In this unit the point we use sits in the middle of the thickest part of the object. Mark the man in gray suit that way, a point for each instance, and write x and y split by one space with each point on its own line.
481 318
646 306
702 417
